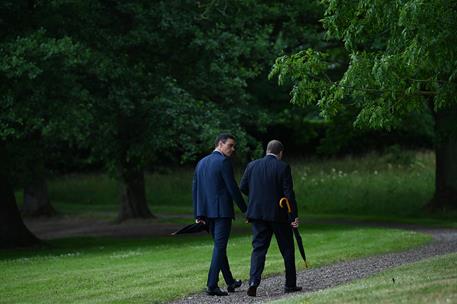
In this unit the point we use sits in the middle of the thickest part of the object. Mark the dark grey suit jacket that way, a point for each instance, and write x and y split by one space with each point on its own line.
266 181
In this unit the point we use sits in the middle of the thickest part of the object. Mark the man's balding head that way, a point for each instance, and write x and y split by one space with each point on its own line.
275 147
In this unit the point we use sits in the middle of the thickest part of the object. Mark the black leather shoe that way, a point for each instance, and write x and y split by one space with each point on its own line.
252 291
216 292
235 284
292 289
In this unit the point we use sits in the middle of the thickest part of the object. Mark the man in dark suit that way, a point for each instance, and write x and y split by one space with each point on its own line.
213 191
266 181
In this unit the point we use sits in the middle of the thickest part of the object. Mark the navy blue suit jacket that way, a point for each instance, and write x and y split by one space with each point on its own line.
265 182
214 188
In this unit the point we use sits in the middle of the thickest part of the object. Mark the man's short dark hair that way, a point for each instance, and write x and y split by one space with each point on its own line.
223 137
275 147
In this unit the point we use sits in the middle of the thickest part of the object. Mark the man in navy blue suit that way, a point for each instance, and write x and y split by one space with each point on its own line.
265 182
213 191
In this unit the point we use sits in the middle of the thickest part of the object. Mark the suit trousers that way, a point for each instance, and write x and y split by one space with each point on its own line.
262 234
220 232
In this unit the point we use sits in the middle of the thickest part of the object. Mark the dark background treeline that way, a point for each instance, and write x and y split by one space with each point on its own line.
127 86
302 138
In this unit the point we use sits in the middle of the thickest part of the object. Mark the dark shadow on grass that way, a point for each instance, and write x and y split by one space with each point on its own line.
88 245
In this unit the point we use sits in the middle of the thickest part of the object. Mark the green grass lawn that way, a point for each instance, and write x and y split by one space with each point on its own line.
370 185
431 281
102 270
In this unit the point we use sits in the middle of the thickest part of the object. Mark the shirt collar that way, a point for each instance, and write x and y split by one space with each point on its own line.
218 151
271 154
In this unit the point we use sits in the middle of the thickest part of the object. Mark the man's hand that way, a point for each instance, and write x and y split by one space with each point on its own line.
295 223
200 221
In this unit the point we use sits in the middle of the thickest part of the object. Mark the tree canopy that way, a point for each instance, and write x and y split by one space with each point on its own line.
402 59
402 54
138 84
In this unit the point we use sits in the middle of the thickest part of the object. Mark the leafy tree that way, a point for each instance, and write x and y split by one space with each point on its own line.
163 85
157 77
181 71
402 59
113 77
43 97
295 25
139 82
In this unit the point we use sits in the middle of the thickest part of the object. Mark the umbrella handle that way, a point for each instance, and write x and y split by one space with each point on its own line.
283 201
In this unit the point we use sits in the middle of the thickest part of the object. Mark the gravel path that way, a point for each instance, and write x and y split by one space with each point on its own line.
445 241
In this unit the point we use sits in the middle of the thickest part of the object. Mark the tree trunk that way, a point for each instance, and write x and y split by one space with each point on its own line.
133 194
13 232
445 197
36 199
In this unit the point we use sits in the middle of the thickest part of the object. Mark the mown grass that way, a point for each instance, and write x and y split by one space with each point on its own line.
102 270
431 281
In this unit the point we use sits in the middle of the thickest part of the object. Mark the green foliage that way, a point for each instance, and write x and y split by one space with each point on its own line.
342 137
140 82
37 97
145 83
128 81
402 60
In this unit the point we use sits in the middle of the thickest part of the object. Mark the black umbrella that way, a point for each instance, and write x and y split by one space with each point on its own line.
193 228
283 203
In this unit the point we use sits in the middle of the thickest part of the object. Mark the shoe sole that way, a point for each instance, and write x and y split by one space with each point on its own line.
290 291
252 293
215 294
